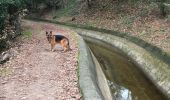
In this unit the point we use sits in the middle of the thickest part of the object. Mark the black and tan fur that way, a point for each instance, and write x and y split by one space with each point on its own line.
57 39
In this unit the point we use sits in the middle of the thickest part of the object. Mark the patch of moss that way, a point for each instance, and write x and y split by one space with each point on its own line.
4 71
27 34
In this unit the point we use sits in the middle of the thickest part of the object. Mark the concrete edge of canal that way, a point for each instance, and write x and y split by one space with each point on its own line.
155 69
93 83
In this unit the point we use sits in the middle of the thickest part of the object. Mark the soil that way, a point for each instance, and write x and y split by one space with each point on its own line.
140 19
36 73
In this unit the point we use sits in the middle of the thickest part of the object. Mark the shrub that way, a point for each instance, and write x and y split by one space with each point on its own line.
10 18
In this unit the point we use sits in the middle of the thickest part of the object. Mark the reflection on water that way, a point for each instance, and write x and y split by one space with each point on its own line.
121 93
126 81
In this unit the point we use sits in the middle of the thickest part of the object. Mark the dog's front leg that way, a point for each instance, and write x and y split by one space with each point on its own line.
52 47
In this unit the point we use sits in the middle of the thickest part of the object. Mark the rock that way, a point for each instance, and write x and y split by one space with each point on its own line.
5 56
10 54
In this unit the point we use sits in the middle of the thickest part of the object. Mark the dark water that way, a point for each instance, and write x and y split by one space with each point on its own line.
127 82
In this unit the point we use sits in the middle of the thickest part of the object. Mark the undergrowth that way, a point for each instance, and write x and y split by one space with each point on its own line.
68 10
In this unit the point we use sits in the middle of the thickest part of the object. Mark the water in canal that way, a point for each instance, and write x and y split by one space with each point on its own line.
126 81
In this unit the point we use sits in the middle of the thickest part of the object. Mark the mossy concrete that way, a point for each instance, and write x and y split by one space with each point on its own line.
155 69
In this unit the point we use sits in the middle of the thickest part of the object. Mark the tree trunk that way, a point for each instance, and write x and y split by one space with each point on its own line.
162 8
88 3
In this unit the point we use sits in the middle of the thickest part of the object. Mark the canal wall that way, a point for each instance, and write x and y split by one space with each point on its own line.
93 83
154 68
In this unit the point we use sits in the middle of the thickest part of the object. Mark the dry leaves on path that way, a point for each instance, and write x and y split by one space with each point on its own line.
39 74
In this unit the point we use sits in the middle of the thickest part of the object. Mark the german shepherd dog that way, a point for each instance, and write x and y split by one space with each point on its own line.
57 39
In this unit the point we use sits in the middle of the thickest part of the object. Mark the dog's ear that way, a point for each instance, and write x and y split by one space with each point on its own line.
46 33
51 32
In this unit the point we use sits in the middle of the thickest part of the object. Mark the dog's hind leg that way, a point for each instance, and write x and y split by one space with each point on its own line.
65 49
64 43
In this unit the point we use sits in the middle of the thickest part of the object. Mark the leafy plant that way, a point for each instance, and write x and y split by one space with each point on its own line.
10 11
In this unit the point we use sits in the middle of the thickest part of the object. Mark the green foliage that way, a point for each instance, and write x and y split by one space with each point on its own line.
69 9
33 5
9 20
3 44
8 8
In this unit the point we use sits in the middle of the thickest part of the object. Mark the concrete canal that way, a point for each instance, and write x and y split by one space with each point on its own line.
126 80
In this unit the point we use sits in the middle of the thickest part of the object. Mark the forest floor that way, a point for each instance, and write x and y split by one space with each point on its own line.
140 19
36 73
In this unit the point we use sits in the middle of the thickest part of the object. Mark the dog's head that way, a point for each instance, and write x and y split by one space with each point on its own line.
49 36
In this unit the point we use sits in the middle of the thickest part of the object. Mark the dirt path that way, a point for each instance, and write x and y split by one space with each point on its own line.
36 73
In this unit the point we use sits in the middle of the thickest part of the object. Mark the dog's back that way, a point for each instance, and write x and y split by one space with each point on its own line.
58 38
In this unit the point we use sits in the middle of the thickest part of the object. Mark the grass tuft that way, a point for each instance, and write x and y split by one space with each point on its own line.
27 34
